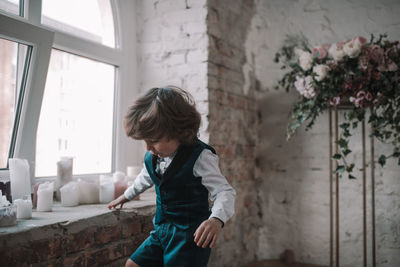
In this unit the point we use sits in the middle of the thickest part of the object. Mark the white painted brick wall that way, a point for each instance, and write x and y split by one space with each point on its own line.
295 183
172 48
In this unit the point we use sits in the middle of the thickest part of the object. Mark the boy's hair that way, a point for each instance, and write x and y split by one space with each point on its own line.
163 112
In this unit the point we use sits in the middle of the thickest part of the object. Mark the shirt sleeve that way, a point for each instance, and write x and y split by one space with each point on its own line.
141 184
221 192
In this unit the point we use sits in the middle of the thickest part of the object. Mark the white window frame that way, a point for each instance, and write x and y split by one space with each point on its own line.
123 57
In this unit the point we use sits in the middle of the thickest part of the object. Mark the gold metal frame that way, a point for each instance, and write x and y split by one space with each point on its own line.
334 214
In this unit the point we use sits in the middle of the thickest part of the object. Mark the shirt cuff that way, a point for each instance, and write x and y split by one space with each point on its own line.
129 194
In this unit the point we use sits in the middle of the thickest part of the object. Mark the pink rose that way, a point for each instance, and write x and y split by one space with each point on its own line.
305 87
360 39
368 96
322 51
335 101
361 94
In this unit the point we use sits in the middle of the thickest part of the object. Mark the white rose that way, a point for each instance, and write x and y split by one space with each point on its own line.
305 60
336 53
321 71
352 48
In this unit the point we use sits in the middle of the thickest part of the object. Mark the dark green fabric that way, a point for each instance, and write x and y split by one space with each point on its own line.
181 198
170 246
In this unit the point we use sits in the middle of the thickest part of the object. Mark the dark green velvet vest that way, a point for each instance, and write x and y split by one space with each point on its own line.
181 198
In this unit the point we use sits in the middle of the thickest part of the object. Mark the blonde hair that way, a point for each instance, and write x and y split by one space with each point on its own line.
164 112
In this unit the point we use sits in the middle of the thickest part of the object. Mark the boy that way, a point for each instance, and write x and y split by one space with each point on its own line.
185 173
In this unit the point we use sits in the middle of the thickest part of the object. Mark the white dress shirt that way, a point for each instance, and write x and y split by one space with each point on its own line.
206 167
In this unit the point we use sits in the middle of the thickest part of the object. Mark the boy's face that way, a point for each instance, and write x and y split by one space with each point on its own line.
162 147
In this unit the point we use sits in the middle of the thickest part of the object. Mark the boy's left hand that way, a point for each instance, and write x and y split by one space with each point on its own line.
207 232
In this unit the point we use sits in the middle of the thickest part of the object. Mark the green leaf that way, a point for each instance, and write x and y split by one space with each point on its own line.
350 167
351 176
339 169
346 134
342 143
346 151
337 156
344 125
382 160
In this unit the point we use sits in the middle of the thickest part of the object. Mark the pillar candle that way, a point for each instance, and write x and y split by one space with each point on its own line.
70 194
64 174
106 193
132 172
24 207
120 184
45 196
19 178
88 192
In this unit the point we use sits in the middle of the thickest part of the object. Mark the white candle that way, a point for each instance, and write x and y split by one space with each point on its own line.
64 173
132 172
24 207
3 200
106 194
88 192
70 194
45 196
118 176
19 178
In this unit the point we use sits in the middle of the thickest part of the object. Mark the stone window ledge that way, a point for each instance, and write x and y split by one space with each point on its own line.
66 215
82 235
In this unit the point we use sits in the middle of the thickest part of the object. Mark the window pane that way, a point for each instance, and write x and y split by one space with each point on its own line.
10 6
90 19
76 119
12 61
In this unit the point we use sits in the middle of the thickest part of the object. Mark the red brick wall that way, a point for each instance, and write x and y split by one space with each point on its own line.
105 240
233 126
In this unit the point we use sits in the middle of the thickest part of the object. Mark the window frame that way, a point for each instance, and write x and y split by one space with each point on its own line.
122 57
17 30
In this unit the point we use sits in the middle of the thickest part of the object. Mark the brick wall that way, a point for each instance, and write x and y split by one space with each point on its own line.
106 240
232 126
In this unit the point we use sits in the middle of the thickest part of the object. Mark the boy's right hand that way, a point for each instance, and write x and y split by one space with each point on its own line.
119 201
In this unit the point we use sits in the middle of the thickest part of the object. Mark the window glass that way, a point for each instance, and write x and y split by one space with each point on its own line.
89 19
76 118
13 57
10 6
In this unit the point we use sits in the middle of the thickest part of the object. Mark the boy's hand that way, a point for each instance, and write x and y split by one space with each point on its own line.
119 201
207 232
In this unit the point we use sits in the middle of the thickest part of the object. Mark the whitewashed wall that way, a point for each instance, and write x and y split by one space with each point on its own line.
294 174
172 48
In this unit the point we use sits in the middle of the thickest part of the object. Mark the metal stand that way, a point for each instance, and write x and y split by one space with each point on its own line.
334 214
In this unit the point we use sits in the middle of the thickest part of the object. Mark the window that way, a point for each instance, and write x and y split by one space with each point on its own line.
89 19
76 118
25 52
14 63
77 115
79 79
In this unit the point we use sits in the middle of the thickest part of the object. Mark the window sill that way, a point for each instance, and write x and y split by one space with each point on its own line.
67 215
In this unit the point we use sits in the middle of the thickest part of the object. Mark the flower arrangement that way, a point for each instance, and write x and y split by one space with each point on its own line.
363 76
